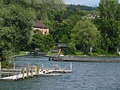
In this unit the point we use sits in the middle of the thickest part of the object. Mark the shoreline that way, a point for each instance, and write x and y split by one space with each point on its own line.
97 61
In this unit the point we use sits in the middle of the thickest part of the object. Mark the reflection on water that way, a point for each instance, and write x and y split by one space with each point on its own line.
85 76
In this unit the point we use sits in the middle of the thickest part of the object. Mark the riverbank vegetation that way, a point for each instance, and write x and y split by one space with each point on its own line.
85 30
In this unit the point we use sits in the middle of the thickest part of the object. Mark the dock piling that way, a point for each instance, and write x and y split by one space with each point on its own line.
27 71
23 72
0 69
31 71
37 68
14 65
71 66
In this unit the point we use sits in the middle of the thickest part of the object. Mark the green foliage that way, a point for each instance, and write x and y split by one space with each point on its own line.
93 54
68 51
15 29
101 51
61 32
108 25
43 42
79 53
16 22
6 64
43 8
85 35
55 30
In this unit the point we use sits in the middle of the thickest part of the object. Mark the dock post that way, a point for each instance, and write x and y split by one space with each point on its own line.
0 65
42 66
0 70
37 70
27 70
14 65
71 66
23 72
31 71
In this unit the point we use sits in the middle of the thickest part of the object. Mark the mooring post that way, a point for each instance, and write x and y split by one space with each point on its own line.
37 68
23 71
42 66
71 66
31 71
27 70
14 65
0 65
0 69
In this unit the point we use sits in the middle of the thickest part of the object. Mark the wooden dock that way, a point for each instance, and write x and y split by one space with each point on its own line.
31 71
27 72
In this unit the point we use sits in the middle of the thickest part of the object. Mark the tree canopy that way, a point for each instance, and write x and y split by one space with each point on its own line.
108 25
16 22
85 35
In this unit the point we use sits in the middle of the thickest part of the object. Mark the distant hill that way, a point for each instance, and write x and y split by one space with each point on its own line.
81 7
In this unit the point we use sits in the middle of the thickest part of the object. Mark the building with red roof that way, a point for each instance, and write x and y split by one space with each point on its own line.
39 26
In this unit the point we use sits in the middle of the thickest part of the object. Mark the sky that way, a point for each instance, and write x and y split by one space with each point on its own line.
83 2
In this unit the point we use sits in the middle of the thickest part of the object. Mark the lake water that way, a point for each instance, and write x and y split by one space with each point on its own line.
85 76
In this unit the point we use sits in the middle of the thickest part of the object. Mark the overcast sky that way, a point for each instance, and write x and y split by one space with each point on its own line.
83 2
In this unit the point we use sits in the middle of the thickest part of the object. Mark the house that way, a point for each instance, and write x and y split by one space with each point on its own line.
39 26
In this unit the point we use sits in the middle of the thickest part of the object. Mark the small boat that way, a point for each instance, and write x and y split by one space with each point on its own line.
47 73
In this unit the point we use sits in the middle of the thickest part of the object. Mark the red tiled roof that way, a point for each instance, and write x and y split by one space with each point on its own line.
39 24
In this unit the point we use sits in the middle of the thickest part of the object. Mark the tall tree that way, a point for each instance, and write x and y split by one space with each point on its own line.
42 42
17 18
108 25
16 27
85 35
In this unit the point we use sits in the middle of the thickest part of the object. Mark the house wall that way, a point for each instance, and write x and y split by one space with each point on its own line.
44 31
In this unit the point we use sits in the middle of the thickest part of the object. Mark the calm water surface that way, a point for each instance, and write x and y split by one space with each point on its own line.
85 76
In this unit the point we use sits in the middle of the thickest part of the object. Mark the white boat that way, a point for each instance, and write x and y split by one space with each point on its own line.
47 73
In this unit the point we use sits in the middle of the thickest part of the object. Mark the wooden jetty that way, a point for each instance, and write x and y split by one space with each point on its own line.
27 72
30 71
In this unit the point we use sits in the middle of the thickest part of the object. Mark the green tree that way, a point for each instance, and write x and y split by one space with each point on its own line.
16 21
108 24
85 35
42 42
16 27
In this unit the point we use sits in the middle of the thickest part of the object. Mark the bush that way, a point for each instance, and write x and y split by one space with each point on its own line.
92 54
79 53
68 51
101 51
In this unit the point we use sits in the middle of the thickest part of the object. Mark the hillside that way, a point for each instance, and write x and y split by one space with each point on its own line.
81 7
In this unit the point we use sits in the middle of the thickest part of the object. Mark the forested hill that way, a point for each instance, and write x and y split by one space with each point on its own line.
81 7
